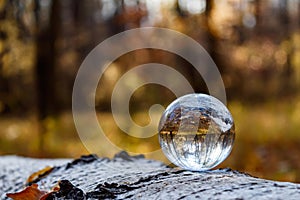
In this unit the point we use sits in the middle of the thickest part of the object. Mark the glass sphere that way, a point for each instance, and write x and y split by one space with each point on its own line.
196 132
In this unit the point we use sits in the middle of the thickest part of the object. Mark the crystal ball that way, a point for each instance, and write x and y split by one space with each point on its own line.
196 132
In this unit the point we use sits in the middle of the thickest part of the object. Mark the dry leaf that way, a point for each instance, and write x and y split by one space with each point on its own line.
29 193
36 176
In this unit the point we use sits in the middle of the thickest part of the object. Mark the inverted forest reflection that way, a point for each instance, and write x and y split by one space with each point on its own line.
254 43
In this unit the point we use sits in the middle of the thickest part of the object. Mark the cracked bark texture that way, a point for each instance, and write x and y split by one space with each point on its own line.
134 177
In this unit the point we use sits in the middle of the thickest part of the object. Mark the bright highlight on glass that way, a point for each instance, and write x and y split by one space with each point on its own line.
196 132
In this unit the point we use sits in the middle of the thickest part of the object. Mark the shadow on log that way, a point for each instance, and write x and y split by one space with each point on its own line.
132 177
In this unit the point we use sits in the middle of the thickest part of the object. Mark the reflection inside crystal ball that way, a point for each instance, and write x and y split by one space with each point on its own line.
196 132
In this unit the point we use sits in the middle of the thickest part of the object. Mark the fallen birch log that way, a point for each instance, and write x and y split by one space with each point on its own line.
131 177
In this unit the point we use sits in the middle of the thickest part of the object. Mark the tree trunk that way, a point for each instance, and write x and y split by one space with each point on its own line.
127 177
287 75
45 64
213 46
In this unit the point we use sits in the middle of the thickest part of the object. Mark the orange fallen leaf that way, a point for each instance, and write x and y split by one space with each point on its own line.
36 176
29 193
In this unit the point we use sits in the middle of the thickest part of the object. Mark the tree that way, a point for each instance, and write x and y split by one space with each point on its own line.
287 74
46 35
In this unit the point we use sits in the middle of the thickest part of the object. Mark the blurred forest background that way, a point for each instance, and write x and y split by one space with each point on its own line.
255 44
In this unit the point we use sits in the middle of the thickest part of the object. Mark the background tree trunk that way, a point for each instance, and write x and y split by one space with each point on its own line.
45 64
287 74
